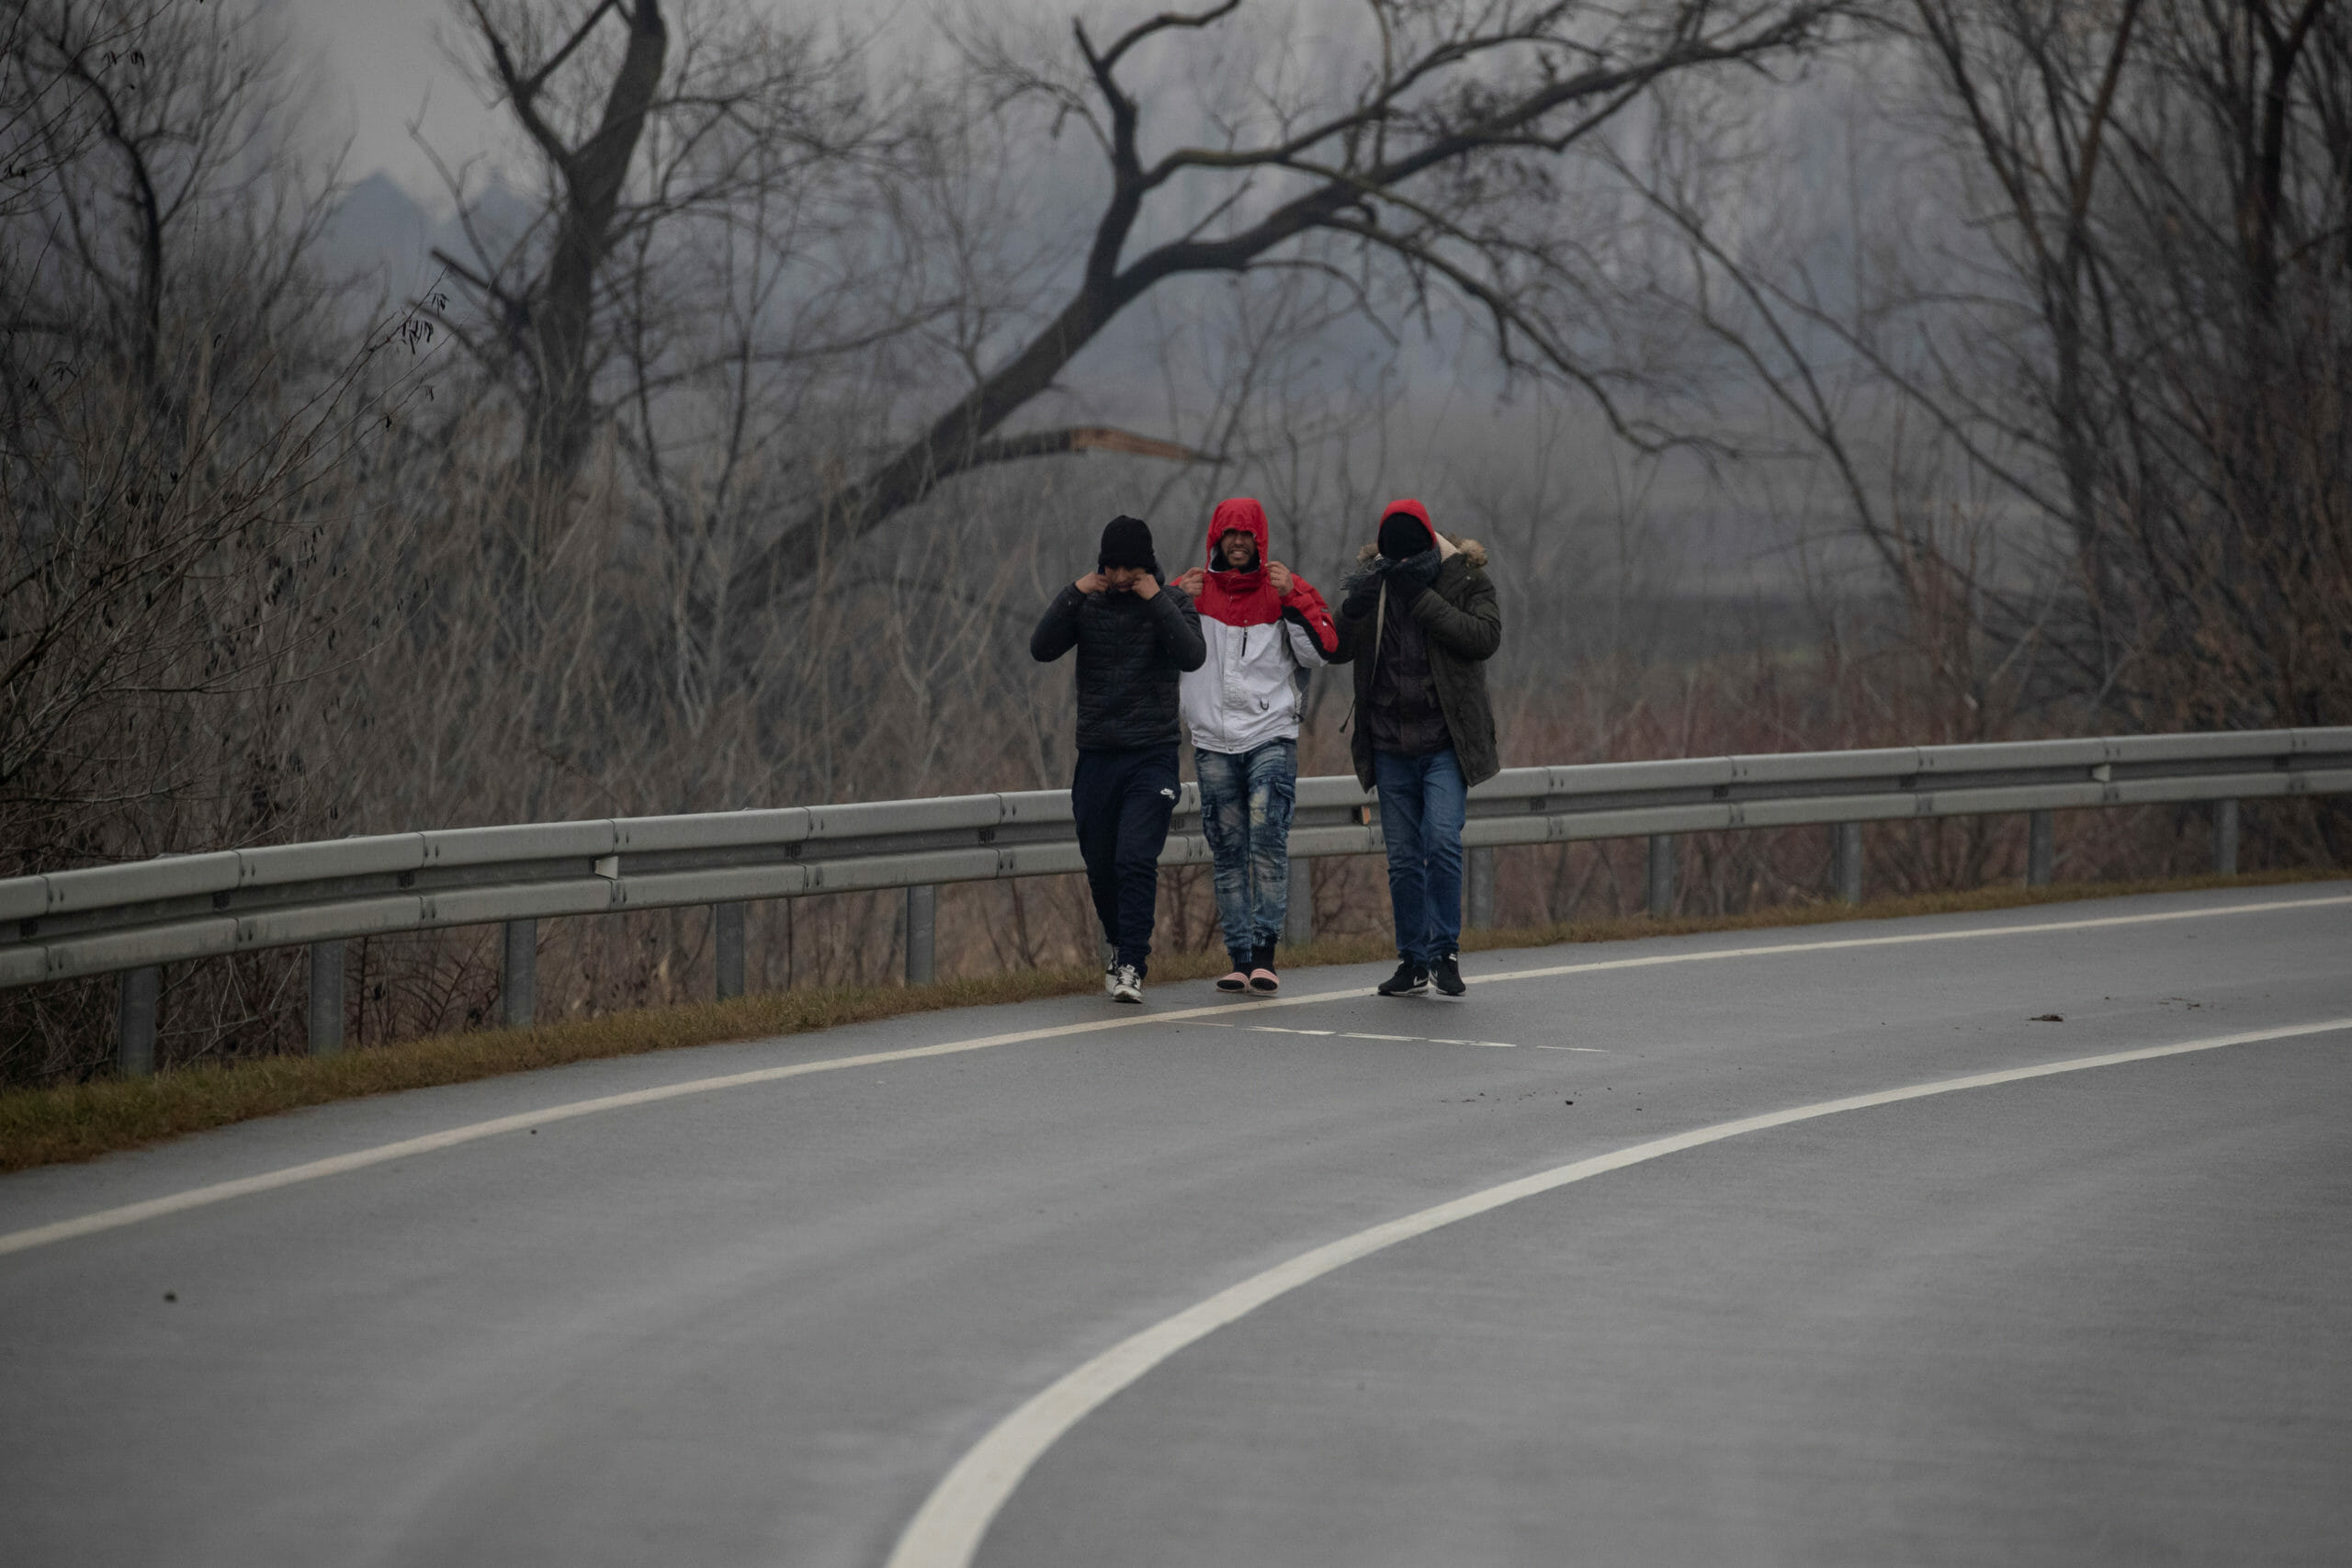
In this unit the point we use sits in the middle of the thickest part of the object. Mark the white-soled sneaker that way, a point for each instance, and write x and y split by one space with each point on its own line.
1411 980
1446 974
1126 985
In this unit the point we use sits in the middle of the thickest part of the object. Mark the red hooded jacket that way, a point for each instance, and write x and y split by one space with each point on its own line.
1248 598
1251 689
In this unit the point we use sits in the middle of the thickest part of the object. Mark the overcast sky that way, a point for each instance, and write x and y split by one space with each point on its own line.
381 66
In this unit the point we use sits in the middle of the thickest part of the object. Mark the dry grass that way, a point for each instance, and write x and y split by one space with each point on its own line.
79 1121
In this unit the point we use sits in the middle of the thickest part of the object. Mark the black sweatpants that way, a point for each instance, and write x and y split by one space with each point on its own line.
1123 801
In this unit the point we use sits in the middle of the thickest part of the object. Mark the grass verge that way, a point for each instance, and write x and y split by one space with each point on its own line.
79 1121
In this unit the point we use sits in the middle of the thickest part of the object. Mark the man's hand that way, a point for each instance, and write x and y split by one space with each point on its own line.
1278 578
1193 581
1147 586
1093 583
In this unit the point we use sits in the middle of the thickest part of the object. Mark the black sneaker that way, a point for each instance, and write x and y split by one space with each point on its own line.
1447 973
1262 978
1411 980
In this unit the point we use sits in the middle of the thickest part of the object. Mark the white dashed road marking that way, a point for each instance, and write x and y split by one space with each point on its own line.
1400 1039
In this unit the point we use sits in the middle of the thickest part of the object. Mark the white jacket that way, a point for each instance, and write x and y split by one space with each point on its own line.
1251 688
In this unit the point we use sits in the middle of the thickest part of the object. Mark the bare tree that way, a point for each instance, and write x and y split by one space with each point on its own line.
2089 400
171 411
1435 175
39 129
659 135
540 336
152 157
2172 202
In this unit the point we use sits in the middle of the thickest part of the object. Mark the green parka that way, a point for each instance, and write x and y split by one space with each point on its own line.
1463 626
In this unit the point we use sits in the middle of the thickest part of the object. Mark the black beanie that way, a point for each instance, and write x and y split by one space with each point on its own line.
1404 535
1126 541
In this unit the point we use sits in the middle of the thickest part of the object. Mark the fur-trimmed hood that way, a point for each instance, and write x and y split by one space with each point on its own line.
1461 626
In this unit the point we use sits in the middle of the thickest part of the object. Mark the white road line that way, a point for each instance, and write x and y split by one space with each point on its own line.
1588 1050
946 1531
1406 1039
473 1132
359 1159
2036 929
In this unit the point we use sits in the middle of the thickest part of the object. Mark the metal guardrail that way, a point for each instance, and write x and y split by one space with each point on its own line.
132 918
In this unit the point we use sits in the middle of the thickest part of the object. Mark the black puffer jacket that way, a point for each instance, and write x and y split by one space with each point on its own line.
1131 652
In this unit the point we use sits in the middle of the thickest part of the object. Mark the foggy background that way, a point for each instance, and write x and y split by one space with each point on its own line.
421 415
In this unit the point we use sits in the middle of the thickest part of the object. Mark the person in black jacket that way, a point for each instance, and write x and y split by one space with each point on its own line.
1135 638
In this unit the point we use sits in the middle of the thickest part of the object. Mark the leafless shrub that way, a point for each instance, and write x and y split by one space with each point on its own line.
2079 366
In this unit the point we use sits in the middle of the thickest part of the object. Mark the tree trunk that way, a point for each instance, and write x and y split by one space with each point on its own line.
592 174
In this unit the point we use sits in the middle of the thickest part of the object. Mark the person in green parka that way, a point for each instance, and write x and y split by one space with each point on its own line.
1419 623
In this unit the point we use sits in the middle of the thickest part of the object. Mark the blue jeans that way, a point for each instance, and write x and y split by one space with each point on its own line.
1422 802
1245 802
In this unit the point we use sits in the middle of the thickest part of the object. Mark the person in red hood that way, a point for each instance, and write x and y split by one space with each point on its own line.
1419 623
1266 629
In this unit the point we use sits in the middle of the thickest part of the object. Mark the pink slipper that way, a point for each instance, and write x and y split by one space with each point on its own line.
1264 981
1236 981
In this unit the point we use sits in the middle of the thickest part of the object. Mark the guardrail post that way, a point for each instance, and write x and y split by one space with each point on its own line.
1845 841
923 931
2225 838
1661 876
1298 915
2041 854
727 948
1478 888
136 994
326 997
518 987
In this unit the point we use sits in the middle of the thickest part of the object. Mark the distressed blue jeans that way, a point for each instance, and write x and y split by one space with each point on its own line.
1423 803
1245 802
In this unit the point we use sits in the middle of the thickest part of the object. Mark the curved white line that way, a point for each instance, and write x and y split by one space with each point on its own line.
947 1530
473 1132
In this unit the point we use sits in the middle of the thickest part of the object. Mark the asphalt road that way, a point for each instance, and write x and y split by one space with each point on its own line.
2098 1316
